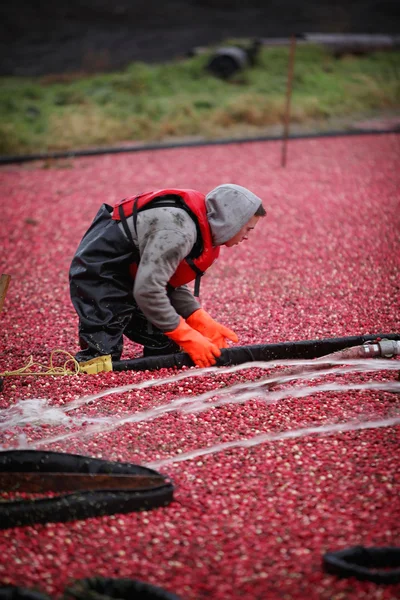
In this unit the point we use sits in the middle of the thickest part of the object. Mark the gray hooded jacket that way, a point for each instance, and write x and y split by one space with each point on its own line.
165 236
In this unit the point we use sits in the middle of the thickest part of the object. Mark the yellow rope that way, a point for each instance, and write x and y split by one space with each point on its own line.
48 370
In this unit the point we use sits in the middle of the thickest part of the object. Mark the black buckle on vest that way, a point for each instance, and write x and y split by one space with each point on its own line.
199 275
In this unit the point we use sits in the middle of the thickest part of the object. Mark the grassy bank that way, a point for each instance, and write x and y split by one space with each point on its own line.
157 102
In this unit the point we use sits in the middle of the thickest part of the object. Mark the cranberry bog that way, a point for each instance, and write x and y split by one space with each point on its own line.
320 469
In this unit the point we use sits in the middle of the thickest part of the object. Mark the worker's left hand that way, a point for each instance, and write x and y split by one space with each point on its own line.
217 333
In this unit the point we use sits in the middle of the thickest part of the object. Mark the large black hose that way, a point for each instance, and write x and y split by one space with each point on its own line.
15 592
94 588
306 349
107 588
77 504
380 564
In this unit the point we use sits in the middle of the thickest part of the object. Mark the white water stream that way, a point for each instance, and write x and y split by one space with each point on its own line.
42 411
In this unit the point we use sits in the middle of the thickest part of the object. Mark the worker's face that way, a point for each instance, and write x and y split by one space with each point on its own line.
243 234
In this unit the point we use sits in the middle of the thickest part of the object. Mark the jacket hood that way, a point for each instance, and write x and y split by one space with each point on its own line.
229 208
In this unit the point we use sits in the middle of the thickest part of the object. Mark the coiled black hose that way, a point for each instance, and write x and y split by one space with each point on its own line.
78 504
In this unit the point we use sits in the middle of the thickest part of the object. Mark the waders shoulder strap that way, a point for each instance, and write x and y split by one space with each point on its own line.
125 224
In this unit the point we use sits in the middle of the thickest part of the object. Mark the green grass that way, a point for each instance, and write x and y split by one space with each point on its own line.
156 102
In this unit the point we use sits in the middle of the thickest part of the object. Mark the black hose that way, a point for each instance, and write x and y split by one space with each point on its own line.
15 592
380 565
107 588
306 349
95 588
76 505
165 146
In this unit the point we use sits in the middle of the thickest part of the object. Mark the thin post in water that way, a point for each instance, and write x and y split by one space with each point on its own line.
4 283
288 99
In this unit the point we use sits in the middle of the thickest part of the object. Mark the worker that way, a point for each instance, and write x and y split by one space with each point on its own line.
130 272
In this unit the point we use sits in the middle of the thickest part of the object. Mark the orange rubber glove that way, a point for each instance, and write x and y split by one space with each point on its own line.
202 322
200 349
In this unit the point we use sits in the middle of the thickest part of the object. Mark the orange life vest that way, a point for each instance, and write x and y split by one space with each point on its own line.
203 253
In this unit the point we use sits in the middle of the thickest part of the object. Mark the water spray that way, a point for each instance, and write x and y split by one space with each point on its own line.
382 348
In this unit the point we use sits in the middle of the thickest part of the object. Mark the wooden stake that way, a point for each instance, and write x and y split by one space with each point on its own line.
288 98
4 283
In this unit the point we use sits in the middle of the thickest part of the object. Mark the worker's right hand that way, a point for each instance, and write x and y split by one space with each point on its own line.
201 350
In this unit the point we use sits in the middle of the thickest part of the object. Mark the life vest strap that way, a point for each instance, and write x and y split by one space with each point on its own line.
125 224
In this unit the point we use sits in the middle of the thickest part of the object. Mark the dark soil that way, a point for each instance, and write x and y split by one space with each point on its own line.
38 38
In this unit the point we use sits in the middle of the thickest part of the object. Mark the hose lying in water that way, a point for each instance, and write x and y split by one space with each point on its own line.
307 349
380 565
99 588
79 502
377 349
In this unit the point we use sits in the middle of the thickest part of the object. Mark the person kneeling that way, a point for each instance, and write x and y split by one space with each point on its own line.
130 272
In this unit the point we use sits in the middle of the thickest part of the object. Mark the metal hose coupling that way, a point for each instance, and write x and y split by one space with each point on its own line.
384 348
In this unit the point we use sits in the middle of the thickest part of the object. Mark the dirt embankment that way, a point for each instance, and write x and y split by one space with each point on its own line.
56 37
